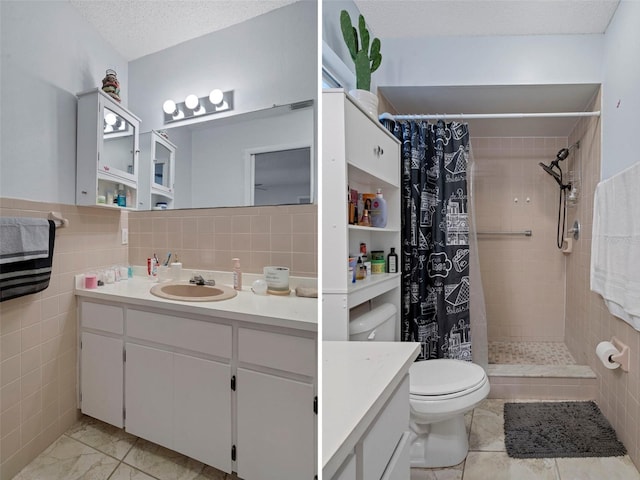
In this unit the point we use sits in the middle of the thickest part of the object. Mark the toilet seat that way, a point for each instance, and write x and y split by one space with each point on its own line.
442 379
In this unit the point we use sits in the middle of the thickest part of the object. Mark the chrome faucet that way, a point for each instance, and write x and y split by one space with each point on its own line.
199 280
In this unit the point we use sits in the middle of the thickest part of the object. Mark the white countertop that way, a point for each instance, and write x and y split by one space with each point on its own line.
284 311
357 379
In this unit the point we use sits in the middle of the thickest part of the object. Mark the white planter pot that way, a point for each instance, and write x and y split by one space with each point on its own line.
367 100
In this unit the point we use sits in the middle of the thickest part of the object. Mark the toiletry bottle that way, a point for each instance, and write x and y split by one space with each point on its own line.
237 274
129 198
365 221
378 211
360 269
109 198
392 261
122 199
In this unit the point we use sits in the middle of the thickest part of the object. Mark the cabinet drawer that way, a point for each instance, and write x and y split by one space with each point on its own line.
108 318
399 467
382 439
275 350
194 335
348 469
369 148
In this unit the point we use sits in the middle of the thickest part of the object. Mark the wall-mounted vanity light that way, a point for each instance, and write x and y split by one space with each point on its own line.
216 101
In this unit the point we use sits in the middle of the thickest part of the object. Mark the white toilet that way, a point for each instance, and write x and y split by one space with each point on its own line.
441 392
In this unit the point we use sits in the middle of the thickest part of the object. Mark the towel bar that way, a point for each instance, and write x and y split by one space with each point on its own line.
59 220
526 233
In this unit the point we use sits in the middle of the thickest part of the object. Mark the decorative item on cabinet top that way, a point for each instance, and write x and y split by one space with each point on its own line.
216 101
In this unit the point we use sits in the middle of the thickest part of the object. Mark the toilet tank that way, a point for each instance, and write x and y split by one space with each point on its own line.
377 324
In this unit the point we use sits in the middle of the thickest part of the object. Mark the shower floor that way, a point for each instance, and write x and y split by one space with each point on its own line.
529 353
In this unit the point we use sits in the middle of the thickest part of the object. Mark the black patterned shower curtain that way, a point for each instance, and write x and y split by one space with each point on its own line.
435 238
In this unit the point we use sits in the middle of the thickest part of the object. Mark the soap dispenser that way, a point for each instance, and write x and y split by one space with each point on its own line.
378 211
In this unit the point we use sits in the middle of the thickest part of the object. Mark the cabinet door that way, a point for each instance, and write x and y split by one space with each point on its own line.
149 399
202 410
101 379
275 427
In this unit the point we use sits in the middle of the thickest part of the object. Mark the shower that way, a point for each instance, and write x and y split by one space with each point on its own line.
555 171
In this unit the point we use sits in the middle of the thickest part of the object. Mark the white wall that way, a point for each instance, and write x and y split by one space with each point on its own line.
474 60
270 59
621 73
48 54
219 154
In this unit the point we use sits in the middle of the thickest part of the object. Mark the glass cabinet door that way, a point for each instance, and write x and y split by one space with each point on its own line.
162 166
118 144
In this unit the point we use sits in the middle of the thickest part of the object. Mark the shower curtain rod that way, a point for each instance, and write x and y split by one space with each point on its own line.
477 116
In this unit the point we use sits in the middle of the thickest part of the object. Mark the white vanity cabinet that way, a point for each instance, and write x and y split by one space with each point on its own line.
107 151
358 153
177 385
101 360
157 171
232 394
276 405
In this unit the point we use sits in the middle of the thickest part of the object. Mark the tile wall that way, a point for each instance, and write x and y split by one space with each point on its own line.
38 346
523 277
209 238
587 319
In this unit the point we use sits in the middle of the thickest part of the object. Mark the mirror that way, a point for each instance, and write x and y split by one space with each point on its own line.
265 157
118 145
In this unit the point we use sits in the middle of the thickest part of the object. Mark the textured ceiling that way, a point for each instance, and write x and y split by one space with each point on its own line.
420 18
137 28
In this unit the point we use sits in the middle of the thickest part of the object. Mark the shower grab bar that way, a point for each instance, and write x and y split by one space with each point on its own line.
525 233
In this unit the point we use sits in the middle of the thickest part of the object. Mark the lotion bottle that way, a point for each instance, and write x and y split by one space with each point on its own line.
378 211
392 261
237 274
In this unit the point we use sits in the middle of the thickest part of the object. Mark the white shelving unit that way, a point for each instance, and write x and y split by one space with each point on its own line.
157 170
107 150
358 153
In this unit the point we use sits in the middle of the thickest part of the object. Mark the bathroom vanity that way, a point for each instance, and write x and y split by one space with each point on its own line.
365 402
230 383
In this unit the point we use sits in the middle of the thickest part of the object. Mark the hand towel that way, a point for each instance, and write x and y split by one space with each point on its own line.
23 239
615 247
28 276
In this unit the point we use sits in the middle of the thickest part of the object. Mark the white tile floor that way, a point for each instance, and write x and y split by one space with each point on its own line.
488 460
93 450
96 451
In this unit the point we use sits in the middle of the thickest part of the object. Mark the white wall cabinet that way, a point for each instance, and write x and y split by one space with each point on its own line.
358 153
157 171
107 151
249 409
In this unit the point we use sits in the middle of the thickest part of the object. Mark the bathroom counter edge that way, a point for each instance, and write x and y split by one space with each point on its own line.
288 311
357 379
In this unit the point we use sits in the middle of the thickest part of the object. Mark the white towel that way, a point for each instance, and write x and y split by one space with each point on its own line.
615 248
23 239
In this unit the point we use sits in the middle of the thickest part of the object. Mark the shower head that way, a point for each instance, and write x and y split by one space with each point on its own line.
563 153
549 169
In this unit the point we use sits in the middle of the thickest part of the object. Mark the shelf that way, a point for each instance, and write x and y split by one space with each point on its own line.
118 177
372 286
113 207
358 175
374 229
162 193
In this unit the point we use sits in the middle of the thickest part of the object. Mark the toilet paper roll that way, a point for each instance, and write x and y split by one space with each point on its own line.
604 350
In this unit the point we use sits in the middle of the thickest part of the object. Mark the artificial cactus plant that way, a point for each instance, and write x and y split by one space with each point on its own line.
366 61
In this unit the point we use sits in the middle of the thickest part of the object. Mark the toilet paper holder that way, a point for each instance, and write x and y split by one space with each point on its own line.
623 357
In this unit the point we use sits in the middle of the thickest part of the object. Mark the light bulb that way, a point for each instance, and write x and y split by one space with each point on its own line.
169 107
216 96
110 118
191 102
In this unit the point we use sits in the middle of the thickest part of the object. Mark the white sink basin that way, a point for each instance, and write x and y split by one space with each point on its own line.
189 292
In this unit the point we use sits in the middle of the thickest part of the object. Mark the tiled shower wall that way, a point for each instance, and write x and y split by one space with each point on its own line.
523 277
588 321
38 344
209 238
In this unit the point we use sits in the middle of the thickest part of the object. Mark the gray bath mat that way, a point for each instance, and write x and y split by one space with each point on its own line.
558 429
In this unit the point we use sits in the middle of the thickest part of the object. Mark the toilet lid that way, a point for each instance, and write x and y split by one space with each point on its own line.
444 377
